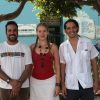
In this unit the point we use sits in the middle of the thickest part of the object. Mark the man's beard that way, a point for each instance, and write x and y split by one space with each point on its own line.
12 37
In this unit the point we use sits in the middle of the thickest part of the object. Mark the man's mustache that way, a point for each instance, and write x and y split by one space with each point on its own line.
12 35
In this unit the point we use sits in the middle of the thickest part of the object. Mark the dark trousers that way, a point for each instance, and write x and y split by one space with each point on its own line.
81 94
23 94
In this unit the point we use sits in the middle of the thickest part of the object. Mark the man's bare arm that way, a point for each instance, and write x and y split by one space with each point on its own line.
95 74
64 92
95 70
17 84
26 73
3 75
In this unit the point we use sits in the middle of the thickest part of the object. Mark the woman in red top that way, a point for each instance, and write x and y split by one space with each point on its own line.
44 81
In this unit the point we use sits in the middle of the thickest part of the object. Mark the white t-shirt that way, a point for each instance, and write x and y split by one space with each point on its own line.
13 59
78 65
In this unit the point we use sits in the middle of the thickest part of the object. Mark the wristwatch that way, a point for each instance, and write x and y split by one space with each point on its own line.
8 80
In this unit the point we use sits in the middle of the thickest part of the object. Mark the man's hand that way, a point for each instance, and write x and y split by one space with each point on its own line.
96 87
16 85
64 91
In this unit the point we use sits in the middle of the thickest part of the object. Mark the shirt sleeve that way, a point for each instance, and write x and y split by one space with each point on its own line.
61 54
28 56
93 52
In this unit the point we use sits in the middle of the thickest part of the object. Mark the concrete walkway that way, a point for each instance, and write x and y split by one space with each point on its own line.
96 97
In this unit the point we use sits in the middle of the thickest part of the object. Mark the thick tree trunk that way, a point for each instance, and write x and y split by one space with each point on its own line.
14 14
98 2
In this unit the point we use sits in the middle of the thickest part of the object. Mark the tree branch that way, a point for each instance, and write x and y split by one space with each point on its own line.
98 4
14 14
95 4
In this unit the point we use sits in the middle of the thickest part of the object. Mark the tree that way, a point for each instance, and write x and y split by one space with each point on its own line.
94 3
56 8
15 13
65 8
49 8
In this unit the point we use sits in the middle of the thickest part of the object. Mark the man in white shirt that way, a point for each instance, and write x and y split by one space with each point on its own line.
15 66
78 58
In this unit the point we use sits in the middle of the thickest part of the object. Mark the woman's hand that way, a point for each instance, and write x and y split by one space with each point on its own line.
57 90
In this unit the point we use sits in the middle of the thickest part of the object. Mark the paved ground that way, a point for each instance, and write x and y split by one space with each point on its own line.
96 97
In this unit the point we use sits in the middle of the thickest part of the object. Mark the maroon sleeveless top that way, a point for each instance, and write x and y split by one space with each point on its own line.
43 65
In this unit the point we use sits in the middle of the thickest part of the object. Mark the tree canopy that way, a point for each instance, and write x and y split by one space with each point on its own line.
65 8
57 7
49 8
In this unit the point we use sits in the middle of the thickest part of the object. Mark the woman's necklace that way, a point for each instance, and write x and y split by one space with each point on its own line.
43 51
